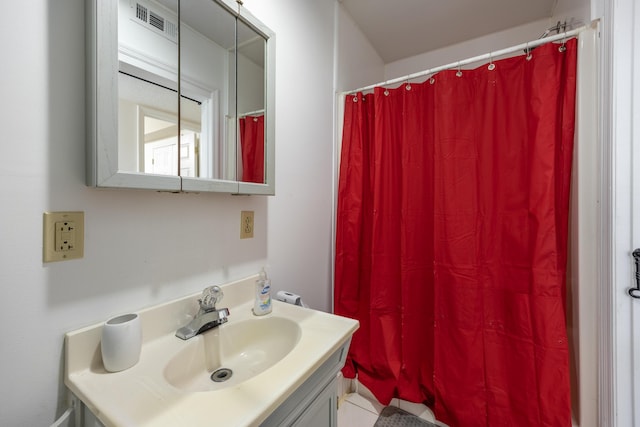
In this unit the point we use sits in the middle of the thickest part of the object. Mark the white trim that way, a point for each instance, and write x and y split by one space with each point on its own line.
606 371
338 118
621 82
583 326
635 202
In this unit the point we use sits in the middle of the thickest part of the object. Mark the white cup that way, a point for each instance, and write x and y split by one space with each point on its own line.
121 342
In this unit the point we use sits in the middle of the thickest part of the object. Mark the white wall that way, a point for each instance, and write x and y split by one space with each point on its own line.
299 217
357 62
468 49
142 248
576 11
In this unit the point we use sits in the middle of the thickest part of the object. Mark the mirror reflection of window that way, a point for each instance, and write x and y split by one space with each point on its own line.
159 145
145 117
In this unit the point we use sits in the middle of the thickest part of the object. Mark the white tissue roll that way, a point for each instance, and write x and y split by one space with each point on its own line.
121 342
290 298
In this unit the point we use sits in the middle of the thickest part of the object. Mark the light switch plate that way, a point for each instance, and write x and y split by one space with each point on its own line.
62 236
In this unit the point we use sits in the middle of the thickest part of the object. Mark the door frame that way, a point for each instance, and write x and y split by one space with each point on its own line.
619 314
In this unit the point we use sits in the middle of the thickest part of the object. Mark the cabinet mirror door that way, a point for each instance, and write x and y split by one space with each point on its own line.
250 105
148 87
132 94
207 88
255 121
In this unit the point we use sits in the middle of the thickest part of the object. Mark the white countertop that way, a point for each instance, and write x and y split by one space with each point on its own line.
141 396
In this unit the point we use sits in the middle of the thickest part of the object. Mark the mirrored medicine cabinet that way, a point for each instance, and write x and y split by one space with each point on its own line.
180 97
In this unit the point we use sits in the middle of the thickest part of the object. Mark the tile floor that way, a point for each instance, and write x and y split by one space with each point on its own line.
361 409
352 415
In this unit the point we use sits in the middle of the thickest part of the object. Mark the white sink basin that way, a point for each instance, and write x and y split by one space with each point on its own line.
231 353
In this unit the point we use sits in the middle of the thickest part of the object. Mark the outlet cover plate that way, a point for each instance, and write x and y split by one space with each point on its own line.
246 224
62 236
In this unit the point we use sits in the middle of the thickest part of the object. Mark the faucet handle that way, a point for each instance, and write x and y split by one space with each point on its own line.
210 297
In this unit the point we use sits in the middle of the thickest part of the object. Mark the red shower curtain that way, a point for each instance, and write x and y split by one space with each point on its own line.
252 146
451 242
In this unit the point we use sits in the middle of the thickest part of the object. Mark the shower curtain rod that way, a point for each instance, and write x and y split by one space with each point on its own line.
251 113
490 56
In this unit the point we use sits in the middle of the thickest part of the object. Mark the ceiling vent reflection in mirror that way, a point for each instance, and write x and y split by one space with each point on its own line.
155 21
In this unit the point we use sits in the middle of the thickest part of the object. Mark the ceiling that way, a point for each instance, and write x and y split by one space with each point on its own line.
399 29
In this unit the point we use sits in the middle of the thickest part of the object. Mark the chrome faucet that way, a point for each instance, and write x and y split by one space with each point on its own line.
208 316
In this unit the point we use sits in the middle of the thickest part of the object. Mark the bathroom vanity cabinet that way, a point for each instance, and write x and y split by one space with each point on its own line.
315 403
284 364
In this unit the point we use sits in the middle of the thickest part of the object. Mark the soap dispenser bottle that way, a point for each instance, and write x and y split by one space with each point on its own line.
262 304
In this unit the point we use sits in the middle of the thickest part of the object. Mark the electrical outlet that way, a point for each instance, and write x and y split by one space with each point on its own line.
65 240
63 236
246 224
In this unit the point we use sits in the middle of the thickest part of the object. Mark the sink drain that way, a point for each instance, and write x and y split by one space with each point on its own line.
221 375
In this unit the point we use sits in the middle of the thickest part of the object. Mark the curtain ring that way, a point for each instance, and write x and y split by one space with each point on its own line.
491 66
408 85
432 80
355 97
386 92
563 46
529 56
459 73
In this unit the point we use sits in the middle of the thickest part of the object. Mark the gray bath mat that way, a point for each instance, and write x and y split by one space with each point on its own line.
396 417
